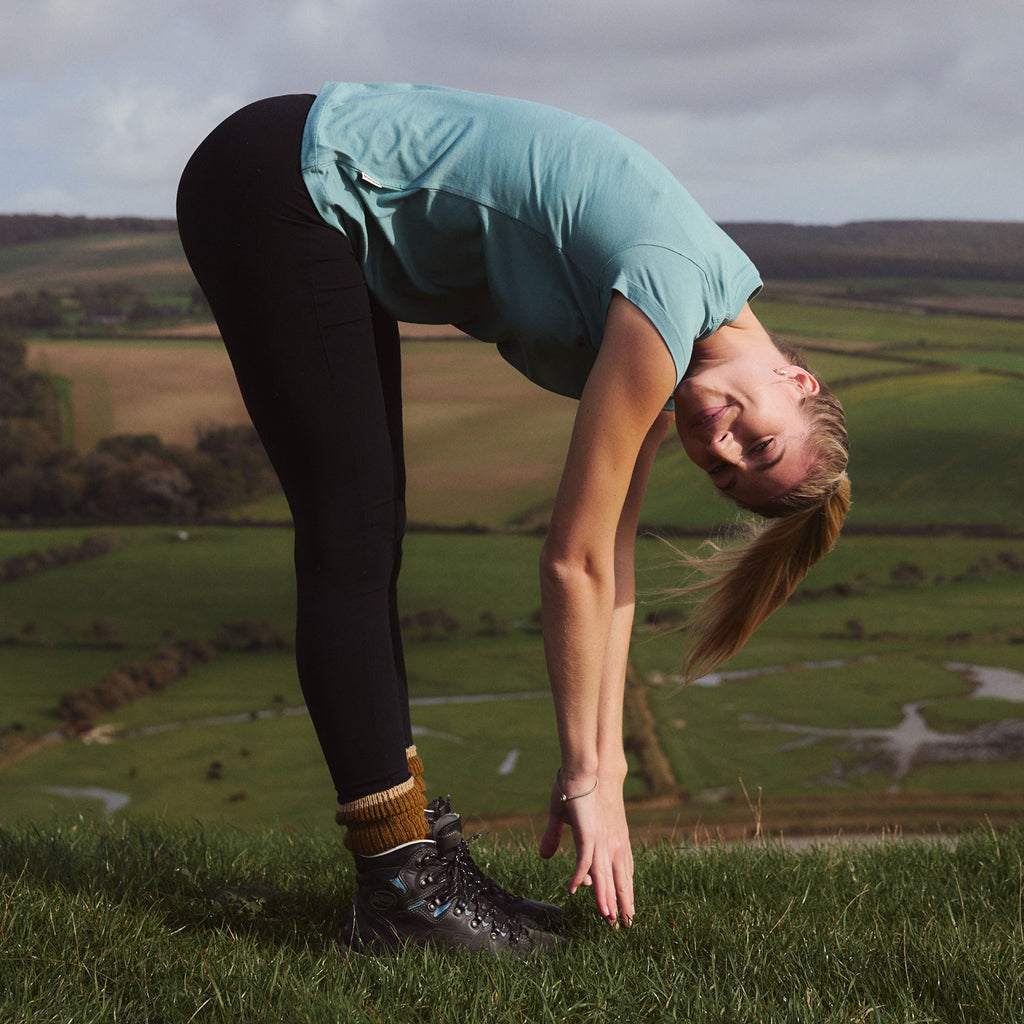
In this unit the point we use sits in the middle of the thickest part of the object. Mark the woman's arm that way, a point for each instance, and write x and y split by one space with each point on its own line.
612 767
611 755
587 592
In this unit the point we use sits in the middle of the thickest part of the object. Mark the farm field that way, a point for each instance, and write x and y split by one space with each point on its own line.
172 389
889 693
948 408
462 404
153 260
829 666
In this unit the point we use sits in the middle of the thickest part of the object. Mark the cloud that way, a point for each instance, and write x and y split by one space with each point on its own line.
45 200
40 38
138 132
860 108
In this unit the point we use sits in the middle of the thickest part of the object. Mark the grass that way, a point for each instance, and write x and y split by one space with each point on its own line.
151 922
152 584
840 287
764 729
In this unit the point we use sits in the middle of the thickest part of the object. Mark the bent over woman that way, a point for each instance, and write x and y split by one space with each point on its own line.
313 225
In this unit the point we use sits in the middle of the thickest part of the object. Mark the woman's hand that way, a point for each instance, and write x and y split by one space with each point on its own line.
604 856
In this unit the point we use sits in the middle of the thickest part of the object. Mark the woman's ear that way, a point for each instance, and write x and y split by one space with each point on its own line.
803 379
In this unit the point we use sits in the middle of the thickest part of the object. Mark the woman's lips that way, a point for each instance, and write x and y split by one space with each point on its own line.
708 416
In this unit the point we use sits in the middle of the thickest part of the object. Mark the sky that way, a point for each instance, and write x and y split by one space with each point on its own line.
805 111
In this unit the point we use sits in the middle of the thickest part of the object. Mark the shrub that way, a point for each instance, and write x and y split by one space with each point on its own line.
431 624
19 566
80 708
906 574
249 636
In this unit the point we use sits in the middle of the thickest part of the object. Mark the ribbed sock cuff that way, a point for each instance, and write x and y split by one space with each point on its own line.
416 768
382 821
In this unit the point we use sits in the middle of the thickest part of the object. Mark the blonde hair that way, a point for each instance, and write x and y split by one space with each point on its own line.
743 584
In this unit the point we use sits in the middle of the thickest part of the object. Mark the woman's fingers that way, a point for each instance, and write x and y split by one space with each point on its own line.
556 818
581 834
552 837
594 866
624 888
602 826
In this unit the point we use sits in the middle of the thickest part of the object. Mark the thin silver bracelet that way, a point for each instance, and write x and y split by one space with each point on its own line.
561 792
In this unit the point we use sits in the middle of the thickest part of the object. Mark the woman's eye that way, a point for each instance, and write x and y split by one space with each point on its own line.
761 446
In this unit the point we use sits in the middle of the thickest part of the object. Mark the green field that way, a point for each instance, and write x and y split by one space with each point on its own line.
964 608
152 260
927 577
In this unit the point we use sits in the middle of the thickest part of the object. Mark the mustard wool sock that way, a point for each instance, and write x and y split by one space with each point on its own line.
416 768
382 821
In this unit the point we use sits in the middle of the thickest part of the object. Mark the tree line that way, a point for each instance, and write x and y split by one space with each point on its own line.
93 308
29 563
21 228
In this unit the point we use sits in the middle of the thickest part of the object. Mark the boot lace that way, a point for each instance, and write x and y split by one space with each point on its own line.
470 893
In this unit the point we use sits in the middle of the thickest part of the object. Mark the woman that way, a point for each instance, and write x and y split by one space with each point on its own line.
313 224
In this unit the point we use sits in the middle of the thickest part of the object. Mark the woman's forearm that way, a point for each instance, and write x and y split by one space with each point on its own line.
577 609
588 606
610 750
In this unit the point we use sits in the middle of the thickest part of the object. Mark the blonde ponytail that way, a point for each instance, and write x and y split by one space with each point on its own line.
744 584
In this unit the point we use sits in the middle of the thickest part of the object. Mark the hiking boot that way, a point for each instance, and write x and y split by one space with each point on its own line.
545 916
421 893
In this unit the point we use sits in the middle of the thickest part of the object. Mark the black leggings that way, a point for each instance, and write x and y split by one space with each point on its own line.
318 364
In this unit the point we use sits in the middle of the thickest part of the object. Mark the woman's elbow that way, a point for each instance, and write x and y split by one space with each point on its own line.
562 572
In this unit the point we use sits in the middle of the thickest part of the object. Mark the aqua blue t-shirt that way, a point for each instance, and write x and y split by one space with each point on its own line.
516 222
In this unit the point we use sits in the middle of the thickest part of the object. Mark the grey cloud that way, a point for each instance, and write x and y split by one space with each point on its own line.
804 109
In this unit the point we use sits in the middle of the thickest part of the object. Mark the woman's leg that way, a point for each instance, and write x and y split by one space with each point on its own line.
318 365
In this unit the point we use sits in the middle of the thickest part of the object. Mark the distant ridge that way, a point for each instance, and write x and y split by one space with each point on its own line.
979 250
19 228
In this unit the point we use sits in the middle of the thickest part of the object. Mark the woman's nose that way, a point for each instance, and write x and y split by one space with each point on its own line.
725 446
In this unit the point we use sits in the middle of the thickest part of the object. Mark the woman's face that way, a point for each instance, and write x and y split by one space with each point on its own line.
746 428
